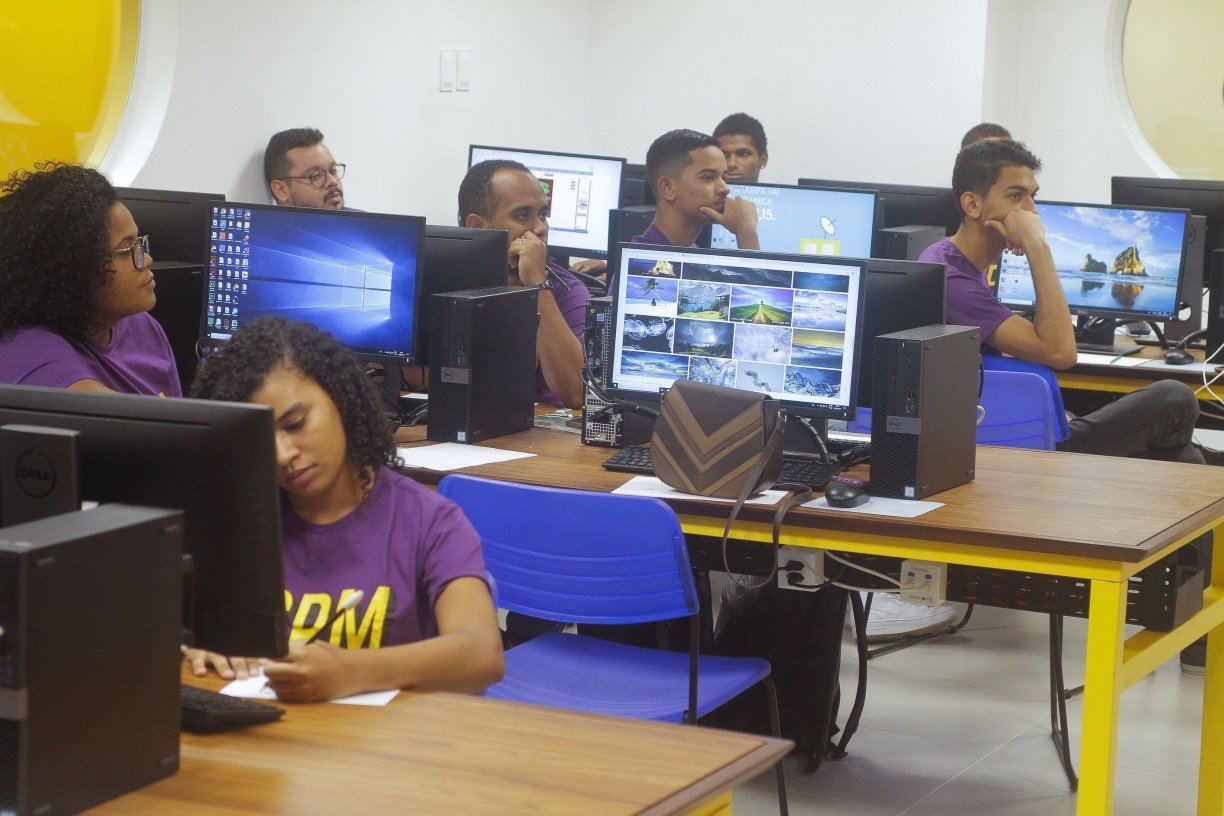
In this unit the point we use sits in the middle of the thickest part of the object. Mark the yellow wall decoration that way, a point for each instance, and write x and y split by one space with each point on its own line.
66 67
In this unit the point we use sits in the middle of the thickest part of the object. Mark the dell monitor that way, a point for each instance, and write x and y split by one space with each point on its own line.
1117 263
903 205
355 275
636 189
807 220
174 220
458 258
1205 198
900 295
216 462
580 189
778 324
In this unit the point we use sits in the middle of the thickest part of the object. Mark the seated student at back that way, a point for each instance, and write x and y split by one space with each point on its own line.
742 139
78 284
350 522
995 182
687 170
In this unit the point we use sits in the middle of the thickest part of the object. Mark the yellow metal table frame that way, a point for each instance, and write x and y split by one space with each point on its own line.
1113 662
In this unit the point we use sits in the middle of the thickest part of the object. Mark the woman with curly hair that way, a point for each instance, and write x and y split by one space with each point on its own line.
350 522
77 287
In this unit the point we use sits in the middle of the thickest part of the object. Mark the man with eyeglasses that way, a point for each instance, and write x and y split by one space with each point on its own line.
301 172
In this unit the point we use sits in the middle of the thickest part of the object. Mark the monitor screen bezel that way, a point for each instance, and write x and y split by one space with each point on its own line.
792 406
1196 190
875 207
1117 314
419 311
559 248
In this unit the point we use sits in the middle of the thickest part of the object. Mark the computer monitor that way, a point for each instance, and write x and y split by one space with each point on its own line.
458 258
1114 262
785 325
905 204
216 462
174 220
354 275
581 190
1205 198
807 220
900 295
636 189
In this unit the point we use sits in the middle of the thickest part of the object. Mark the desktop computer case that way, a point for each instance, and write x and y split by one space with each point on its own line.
91 610
924 408
482 363
600 427
1194 280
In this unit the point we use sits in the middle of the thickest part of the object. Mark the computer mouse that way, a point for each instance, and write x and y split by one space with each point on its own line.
840 494
1176 356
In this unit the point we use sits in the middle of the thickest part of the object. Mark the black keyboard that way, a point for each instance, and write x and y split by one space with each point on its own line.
814 474
205 711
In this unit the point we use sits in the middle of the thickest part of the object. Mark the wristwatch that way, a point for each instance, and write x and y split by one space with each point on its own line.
544 286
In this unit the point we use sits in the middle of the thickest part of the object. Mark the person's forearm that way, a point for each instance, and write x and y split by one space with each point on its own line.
467 661
560 353
1053 318
748 238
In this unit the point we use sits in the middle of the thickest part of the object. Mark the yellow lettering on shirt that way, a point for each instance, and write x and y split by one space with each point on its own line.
315 607
312 613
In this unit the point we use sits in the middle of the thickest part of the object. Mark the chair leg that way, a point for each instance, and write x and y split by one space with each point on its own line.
775 728
1058 703
905 643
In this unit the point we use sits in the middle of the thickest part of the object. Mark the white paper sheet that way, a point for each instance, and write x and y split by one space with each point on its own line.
653 487
878 506
453 456
1195 367
1111 359
256 686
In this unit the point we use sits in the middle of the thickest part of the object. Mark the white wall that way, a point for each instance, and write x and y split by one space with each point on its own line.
872 90
1049 71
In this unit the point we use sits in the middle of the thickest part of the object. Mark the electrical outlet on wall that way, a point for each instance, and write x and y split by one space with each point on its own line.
924 582
800 568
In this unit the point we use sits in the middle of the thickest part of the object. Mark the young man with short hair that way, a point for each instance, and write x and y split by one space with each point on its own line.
301 172
983 131
687 170
503 194
743 143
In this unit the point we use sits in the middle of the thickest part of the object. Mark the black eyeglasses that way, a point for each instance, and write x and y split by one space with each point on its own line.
139 250
318 178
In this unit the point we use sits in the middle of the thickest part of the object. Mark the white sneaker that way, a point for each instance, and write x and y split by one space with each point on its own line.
892 618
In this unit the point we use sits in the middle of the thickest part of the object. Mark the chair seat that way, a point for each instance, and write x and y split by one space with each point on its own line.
602 677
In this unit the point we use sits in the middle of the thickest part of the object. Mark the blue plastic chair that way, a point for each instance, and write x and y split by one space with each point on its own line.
1020 412
598 558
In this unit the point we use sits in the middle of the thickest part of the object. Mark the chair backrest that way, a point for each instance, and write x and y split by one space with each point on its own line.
1020 412
576 555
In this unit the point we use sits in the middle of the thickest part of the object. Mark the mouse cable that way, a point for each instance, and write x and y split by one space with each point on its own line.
862 569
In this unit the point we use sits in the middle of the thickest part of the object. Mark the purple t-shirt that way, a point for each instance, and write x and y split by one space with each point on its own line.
654 235
400 547
571 296
137 361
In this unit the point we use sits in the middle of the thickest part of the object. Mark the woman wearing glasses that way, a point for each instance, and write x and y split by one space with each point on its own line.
76 286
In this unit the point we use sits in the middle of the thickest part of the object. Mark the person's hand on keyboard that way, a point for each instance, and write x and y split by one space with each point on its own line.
315 672
229 668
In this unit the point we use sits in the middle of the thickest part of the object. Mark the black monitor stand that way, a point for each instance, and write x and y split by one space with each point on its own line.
1096 335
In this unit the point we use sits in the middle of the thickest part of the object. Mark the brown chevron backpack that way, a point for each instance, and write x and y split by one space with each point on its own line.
723 443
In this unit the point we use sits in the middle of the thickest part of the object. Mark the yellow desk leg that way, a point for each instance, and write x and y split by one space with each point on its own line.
1099 740
1211 756
719 807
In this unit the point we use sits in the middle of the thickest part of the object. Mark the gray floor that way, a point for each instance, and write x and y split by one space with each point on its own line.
960 725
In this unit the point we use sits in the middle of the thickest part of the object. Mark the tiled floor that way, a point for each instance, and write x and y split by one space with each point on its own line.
959 726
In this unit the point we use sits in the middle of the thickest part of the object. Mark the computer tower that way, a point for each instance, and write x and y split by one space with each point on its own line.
91 610
1193 281
1215 303
908 242
180 302
924 407
482 363
599 426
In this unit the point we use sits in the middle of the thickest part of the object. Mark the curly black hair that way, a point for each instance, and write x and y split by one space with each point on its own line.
238 369
54 248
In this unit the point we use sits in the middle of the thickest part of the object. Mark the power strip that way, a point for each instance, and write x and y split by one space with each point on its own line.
924 582
800 568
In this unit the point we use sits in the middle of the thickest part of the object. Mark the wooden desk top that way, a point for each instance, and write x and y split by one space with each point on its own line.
450 754
1191 375
1037 501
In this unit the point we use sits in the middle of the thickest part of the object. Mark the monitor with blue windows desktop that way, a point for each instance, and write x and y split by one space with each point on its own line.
807 220
1114 263
354 275
785 325
581 191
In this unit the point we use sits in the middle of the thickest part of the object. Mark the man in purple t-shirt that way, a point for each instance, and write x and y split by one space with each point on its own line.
687 170
503 194
995 183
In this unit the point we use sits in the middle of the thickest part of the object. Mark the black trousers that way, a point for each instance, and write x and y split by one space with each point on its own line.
1155 422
